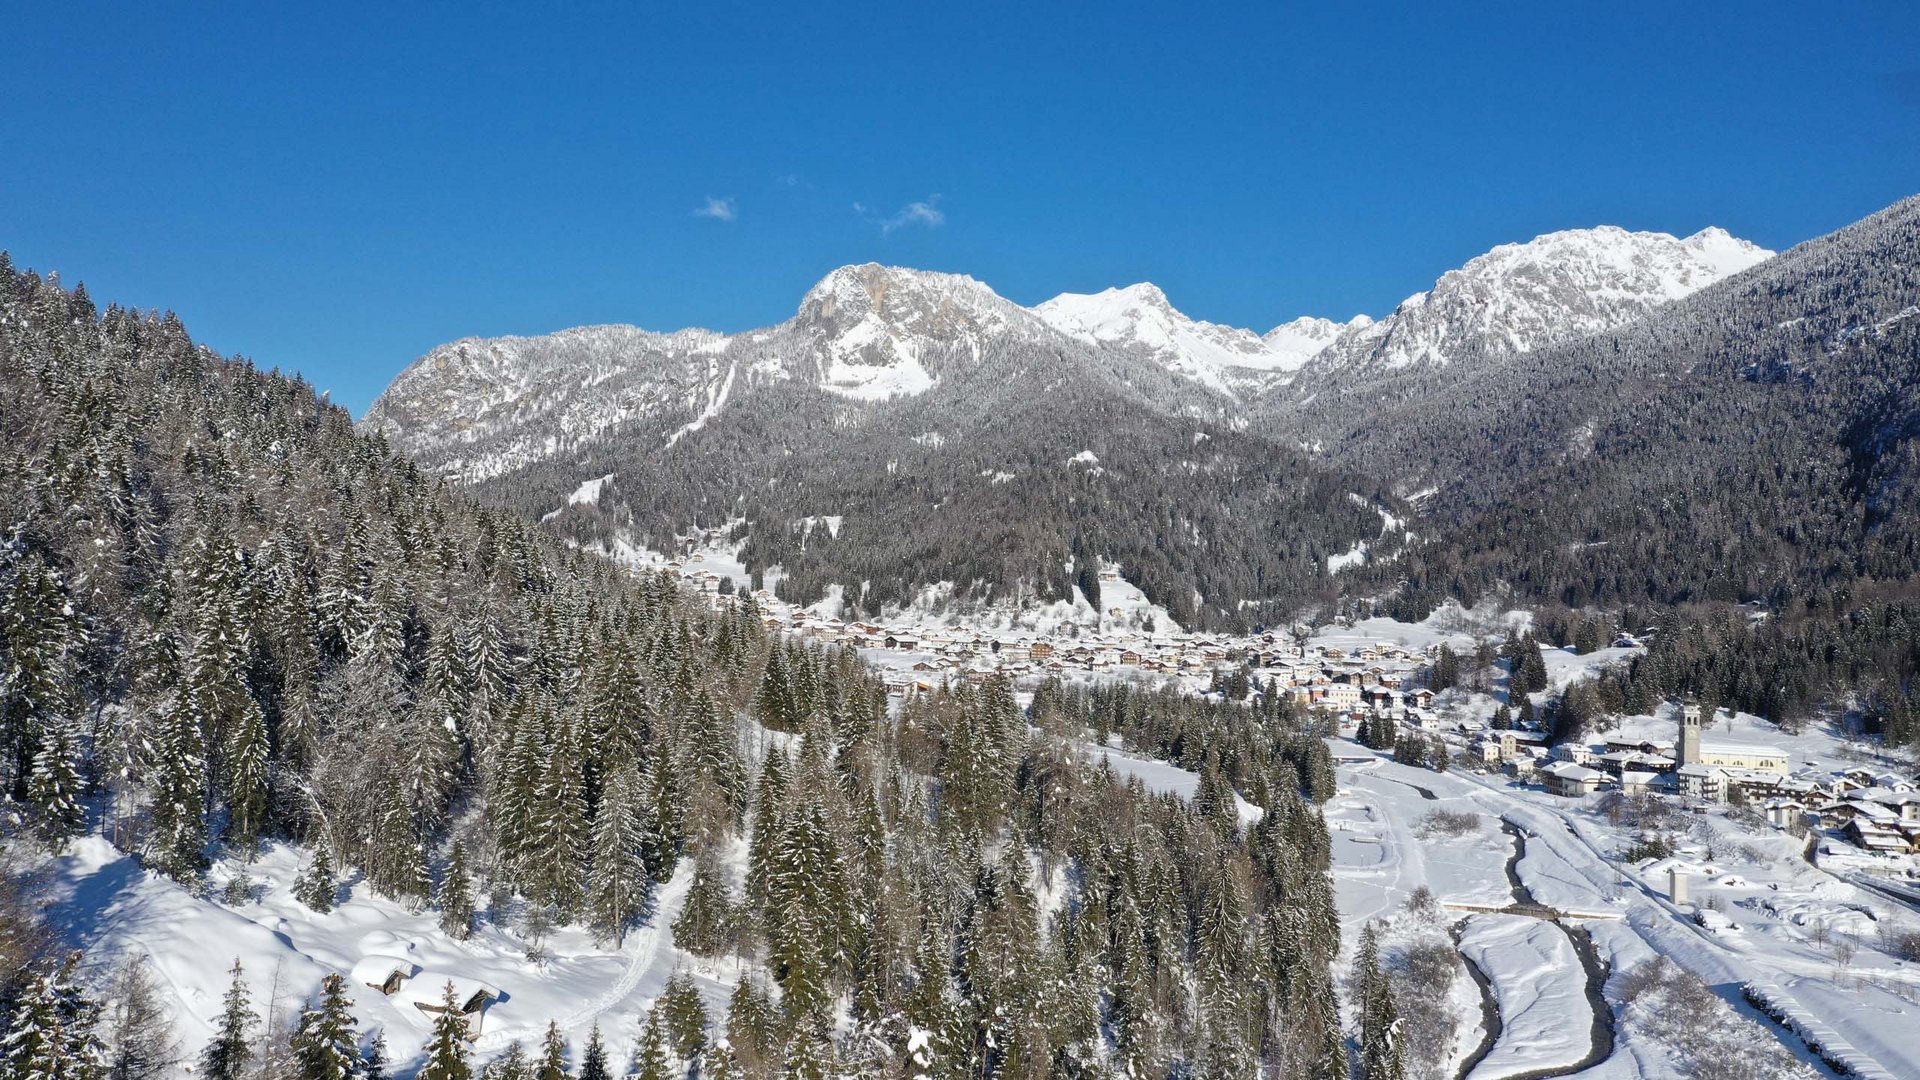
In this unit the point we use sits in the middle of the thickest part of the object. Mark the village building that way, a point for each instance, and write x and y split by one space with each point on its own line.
1636 782
1577 753
1571 780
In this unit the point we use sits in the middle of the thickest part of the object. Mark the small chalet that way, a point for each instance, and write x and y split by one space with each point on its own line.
384 973
471 997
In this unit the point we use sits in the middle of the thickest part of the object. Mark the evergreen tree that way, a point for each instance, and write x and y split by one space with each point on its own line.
593 1064
230 1054
374 1061
447 1047
650 1059
325 1045
553 1056
246 776
702 927
1382 1057
53 1031
750 1028
178 835
683 1014
456 895
1446 670
512 1065
55 787
618 886
316 885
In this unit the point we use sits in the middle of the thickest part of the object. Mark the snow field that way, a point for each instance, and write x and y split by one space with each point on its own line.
1540 985
115 908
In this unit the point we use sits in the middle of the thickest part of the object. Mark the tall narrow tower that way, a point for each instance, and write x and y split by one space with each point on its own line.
1689 748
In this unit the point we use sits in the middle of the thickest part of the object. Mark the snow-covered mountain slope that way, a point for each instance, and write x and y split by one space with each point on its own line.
875 329
479 407
1228 359
1520 297
1294 343
871 334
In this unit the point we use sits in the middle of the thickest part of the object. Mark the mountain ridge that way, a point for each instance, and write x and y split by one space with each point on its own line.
941 421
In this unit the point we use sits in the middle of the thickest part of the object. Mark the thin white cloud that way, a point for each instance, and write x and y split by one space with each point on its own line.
718 209
925 213
788 179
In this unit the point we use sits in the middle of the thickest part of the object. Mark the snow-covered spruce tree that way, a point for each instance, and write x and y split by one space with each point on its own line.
374 1057
752 1029
618 885
651 1059
553 1056
711 762
593 1060
447 1046
1381 1055
53 1032
55 787
229 1056
511 1065
559 824
663 832
317 885
704 924
177 838
246 755
456 895
40 634
683 1014
397 863
326 1045
804 943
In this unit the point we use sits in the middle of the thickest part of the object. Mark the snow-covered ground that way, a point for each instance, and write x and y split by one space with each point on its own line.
1815 939
118 909
1163 778
1541 989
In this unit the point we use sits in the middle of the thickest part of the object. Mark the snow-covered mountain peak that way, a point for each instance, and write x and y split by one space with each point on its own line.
1141 319
872 327
1725 251
1304 338
1559 285
899 295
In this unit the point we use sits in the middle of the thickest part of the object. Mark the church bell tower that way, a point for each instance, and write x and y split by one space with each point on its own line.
1689 748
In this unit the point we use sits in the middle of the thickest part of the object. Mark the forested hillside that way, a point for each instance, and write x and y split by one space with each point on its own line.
1739 472
1754 442
228 621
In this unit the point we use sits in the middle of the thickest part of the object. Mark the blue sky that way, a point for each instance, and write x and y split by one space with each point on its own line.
335 189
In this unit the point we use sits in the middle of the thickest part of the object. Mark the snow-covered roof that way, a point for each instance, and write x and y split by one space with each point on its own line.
375 970
1871 810
429 988
1718 746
